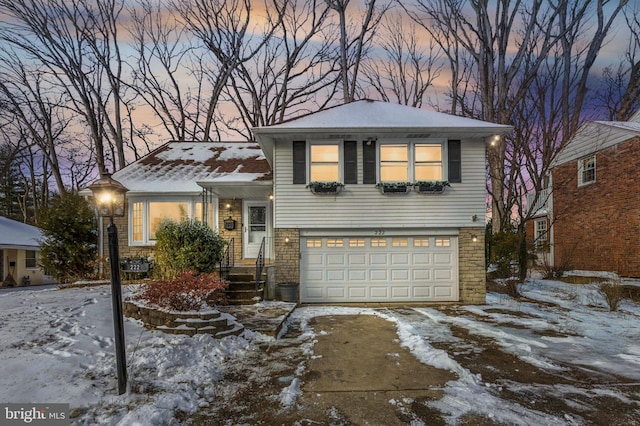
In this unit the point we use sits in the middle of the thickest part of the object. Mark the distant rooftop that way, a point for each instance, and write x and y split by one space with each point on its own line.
18 235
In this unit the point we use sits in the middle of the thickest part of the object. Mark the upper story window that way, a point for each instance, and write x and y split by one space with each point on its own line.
586 170
145 217
411 162
394 163
324 163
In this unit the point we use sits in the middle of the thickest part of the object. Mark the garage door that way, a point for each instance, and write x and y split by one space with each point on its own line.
379 269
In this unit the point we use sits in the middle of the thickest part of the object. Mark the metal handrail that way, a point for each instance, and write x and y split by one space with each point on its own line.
260 263
226 261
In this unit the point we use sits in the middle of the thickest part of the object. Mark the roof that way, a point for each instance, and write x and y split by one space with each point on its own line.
594 136
377 118
178 167
18 235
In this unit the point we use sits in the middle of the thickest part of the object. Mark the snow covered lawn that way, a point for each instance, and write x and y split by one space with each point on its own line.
558 357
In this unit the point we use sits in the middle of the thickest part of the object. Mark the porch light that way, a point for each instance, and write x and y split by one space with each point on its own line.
494 140
109 196
474 238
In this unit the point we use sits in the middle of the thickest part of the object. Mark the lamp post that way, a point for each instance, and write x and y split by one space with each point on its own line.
109 196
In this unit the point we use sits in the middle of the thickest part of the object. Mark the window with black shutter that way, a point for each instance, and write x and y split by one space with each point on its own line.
454 161
350 162
299 162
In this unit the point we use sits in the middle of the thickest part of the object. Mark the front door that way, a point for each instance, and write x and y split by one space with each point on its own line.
257 224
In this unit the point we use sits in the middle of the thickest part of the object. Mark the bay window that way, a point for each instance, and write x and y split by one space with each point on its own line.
145 217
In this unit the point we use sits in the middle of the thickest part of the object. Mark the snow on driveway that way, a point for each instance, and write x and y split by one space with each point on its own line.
58 347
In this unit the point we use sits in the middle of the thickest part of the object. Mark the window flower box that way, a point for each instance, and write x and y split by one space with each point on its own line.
325 188
394 187
431 187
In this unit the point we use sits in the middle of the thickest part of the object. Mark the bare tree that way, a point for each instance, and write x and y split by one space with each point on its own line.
620 91
77 44
508 43
231 36
296 70
355 39
408 70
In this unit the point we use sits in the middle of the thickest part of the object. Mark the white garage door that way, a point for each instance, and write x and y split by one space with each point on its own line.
379 269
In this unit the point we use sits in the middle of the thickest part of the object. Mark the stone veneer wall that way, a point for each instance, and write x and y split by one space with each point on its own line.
471 266
287 255
235 212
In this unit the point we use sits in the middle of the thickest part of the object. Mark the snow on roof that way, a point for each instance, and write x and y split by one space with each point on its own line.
178 166
14 234
369 114
622 125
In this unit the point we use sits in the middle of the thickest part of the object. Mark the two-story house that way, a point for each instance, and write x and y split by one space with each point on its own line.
332 196
589 217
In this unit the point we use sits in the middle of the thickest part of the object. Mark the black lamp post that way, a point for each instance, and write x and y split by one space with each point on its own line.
109 196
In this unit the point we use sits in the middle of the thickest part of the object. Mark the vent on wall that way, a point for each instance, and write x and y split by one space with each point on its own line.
418 135
345 136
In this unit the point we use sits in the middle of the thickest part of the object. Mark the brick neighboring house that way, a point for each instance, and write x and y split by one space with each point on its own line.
591 217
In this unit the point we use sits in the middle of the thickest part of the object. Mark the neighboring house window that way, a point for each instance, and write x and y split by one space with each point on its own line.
541 232
587 170
30 259
411 162
324 163
146 216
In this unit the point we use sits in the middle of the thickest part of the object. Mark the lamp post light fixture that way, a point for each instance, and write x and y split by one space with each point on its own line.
109 196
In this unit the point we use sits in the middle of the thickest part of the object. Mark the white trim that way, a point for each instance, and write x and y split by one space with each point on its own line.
191 200
382 232
411 158
581 169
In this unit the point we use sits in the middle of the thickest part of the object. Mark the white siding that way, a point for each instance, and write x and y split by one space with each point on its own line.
590 138
363 206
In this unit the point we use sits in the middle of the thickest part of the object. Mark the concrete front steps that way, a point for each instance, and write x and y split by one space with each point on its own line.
242 286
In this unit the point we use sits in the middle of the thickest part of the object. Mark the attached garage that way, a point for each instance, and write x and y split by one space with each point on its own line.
382 268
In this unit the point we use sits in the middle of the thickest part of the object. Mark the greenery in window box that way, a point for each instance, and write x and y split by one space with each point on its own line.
431 185
398 187
325 187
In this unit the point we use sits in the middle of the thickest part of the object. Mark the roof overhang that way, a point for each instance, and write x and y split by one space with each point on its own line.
239 190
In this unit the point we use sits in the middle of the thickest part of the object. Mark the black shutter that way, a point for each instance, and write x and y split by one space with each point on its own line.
369 165
350 162
455 161
299 162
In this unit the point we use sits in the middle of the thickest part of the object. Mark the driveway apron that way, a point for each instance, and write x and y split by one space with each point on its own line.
361 375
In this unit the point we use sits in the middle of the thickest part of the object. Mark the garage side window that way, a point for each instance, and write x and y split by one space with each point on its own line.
335 242
314 242
443 242
324 163
378 242
421 242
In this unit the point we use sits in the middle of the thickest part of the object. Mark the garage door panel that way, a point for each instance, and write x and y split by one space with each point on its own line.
336 292
336 259
357 274
442 274
443 258
400 259
336 275
400 292
421 268
358 292
421 258
379 292
380 275
356 259
400 275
